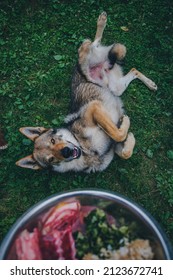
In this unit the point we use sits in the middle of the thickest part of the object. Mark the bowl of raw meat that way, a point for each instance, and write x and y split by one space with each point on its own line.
86 225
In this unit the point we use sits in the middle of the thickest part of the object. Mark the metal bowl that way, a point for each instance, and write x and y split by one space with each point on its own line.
113 203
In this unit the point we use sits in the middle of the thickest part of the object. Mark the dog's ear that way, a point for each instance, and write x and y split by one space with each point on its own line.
32 132
28 162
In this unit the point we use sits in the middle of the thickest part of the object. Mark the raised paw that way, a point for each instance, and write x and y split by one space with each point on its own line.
102 19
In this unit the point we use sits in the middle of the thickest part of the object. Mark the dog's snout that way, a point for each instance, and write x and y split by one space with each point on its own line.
66 152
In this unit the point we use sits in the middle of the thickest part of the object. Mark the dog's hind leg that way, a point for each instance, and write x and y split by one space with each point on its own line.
125 149
101 24
96 115
119 86
85 47
149 83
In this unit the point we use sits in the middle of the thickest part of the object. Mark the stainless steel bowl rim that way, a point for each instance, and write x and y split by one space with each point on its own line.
50 201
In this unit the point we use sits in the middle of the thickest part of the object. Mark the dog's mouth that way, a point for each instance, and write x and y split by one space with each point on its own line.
76 152
70 153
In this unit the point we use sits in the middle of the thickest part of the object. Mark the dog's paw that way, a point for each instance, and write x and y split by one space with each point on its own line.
130 141
125 122
128 146
151 85
123 130
102 19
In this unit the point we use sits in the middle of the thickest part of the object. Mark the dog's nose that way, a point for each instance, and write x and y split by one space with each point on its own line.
66 152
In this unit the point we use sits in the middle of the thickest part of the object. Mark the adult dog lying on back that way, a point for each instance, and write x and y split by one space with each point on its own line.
96 127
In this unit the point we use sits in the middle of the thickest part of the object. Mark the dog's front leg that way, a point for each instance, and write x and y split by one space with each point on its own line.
97 115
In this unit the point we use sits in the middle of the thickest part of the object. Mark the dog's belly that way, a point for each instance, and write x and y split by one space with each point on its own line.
113 105
99 142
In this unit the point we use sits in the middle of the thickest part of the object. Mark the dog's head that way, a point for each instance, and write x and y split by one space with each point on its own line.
51 147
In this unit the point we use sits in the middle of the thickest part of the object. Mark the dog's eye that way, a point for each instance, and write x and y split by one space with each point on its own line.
52 141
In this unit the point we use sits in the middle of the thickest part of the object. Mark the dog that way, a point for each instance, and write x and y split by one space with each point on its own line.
96 127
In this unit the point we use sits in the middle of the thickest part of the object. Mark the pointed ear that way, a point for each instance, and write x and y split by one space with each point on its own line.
28 162
32 132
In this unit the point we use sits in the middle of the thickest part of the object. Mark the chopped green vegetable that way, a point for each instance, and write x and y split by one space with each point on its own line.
99 234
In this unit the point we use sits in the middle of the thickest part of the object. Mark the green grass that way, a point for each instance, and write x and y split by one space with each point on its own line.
38 50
